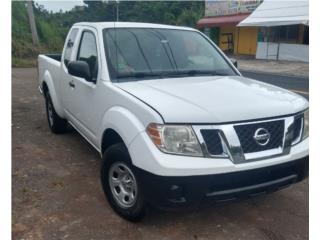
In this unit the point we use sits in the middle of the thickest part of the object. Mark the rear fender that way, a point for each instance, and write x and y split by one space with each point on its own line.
53 93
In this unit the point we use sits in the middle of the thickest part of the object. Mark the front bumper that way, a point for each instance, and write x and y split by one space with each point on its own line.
145 155
171 192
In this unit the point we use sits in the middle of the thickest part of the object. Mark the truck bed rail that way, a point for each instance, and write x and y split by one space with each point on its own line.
54 56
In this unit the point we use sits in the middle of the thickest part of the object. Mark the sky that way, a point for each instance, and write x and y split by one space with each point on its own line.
56 5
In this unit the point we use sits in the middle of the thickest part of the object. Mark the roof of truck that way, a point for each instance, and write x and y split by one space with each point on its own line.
129 25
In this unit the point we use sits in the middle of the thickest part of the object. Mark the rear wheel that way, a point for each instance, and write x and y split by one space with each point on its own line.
121 185
56 123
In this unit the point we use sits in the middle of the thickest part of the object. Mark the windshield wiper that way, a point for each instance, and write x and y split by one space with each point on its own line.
160 74
203 72
138 75
166 74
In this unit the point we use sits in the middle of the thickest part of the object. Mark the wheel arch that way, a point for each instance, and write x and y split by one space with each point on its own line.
119 125
109 138
48 86
45 88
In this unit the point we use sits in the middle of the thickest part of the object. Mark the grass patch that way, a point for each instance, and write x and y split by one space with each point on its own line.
24 62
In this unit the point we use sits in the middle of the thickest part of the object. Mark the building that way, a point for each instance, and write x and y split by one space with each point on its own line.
283 30
220 23
271 32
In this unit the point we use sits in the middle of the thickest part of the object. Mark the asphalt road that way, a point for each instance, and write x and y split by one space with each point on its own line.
298 85
57 193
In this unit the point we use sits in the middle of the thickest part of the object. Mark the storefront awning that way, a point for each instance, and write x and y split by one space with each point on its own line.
278 13
221 20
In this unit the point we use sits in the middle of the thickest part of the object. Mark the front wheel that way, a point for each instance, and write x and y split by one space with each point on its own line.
120 184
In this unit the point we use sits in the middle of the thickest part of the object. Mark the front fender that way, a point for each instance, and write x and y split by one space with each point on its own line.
53 93
124 122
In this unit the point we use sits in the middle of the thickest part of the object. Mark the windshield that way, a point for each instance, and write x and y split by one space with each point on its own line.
144 53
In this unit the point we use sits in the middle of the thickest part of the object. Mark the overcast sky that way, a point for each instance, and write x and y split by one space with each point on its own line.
56 5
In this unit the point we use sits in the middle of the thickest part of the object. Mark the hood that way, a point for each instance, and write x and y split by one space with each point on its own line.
214 99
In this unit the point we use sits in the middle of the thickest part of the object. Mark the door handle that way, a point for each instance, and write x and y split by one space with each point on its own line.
71 84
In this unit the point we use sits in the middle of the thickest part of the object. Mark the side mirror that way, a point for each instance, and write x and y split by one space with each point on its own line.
80 69
234 62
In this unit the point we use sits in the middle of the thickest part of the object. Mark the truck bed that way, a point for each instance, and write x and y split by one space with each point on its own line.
54 56
49 67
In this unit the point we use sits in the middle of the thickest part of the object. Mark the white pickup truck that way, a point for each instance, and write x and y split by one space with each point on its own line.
174 120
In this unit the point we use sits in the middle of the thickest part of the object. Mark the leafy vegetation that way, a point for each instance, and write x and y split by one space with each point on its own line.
53 27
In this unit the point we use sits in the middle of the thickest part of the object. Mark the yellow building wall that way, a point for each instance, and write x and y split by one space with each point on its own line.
244 39
247 43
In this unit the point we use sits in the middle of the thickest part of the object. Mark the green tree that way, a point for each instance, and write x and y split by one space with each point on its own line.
53 27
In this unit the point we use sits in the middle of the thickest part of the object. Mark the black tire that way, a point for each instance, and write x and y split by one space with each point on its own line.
56 123
118 155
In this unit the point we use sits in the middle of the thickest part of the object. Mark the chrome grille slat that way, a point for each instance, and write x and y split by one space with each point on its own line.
284 131
246 132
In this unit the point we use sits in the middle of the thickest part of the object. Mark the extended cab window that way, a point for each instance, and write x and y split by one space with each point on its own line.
69 47
88 52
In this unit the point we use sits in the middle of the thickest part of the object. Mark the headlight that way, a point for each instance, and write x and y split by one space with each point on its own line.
305 133
175 139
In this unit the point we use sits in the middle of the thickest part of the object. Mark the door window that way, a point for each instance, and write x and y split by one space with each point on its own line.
67 54
88 52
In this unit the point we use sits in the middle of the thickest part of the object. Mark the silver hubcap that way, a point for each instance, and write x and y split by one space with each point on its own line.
50 113
123 185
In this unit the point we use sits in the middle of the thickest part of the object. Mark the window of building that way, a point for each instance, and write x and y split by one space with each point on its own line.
289 34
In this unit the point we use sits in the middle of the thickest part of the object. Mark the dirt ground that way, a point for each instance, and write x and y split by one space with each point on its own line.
57 192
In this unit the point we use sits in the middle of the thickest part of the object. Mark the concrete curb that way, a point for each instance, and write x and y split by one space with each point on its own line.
273 73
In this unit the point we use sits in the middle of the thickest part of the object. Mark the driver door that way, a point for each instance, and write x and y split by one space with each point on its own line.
79 94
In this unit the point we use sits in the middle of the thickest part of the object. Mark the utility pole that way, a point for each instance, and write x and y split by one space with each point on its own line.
32 23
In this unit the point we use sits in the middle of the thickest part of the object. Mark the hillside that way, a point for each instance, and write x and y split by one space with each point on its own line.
53 27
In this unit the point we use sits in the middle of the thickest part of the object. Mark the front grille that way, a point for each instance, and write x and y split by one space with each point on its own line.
246 134
213 142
